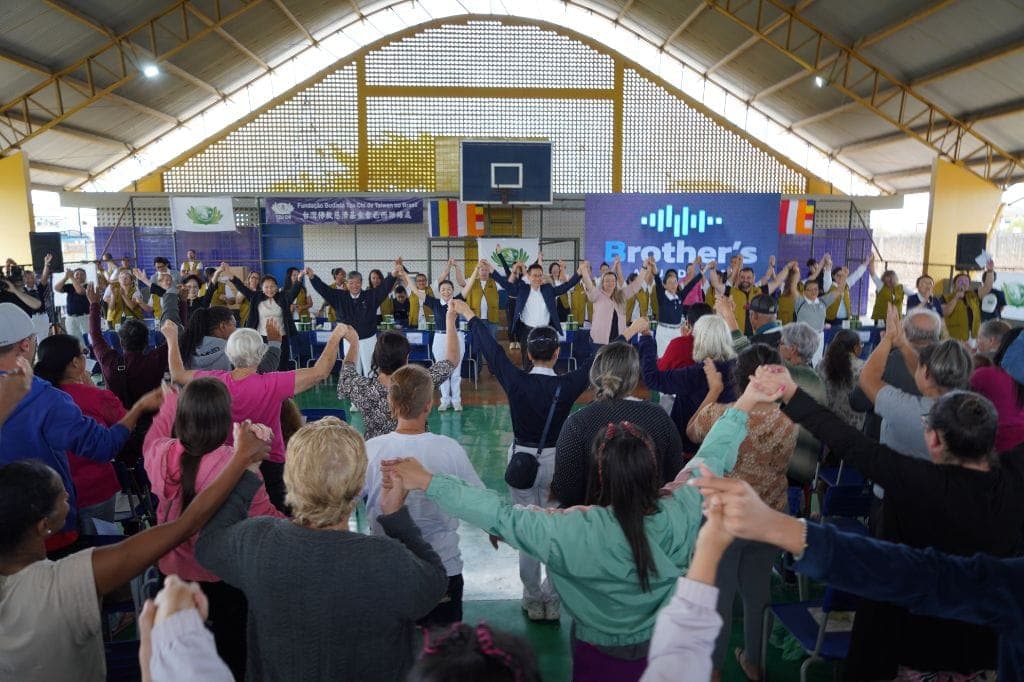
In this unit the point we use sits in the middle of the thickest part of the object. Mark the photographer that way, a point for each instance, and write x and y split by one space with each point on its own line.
11 290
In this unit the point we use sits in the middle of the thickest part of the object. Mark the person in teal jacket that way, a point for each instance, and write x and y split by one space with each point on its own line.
613 570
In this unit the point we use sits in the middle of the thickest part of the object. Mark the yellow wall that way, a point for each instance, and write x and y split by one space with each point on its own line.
16 208
960 202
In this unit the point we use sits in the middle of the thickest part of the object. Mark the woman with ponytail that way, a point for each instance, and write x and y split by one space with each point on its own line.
185 451
614 561
62 362
613 376
202 345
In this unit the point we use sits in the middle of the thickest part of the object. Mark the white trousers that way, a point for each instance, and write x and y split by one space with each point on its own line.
451 388
539 496
663 336
365 359
77 325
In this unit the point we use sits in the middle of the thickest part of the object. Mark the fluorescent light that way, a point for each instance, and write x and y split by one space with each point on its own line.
150 71
819 81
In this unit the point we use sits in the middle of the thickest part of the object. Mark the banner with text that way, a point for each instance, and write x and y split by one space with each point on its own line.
676 228
512 250
342 211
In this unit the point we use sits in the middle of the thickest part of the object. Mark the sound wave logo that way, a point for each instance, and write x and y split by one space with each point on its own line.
682 222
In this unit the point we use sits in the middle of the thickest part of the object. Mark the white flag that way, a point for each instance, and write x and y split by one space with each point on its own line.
202 214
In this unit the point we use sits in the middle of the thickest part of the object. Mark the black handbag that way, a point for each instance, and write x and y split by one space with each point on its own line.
521 472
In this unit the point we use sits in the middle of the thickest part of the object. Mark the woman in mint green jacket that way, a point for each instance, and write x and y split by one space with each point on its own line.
612 580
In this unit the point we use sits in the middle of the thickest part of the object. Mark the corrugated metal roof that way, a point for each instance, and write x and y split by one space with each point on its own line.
970 54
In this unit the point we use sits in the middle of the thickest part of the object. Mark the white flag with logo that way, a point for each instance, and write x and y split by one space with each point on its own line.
202 214
512 250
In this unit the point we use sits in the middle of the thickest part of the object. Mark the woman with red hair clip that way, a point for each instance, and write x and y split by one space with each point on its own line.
464 652
614 560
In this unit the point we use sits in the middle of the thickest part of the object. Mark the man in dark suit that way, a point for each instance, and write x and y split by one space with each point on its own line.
535 300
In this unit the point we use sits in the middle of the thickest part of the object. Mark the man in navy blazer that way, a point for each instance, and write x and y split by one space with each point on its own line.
535 300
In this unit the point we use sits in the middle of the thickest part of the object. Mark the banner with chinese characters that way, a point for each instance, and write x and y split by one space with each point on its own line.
342 211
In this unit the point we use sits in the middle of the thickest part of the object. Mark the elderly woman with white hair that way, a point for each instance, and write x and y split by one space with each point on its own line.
711 341
798 347
354 598
258 396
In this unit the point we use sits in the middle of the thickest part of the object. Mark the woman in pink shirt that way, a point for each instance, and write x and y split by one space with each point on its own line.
178 469
255 396
609 301
61 361
1003 384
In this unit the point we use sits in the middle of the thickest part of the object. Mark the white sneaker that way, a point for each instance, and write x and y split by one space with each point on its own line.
443 407
553 610
457 407
534 609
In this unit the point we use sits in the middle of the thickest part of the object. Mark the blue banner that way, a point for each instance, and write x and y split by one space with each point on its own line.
342 211
676 228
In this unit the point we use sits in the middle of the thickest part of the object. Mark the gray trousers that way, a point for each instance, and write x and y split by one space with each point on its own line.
745 567
534 589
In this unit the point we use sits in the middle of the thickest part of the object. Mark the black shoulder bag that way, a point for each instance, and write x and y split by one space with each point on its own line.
521 472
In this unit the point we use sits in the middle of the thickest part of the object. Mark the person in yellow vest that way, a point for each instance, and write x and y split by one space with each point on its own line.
788 281
340 282
124 299
162 280
838 282
481 294
962 307
303 303
220 295
579 305
415 305
191 265
744 291
252 281
887 290
642 304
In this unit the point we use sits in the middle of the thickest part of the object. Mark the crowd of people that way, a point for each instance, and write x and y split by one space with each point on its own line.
644 521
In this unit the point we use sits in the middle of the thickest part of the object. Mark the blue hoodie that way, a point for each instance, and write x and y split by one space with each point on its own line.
45 425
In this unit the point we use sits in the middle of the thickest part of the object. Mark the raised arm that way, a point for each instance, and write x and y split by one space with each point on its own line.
333 297
175 365
495 355
114 565
988 279
100 348
468 285
308 377
568 285
871 374
451 338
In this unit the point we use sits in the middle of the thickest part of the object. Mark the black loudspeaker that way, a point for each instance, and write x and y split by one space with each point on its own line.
968 246
43 243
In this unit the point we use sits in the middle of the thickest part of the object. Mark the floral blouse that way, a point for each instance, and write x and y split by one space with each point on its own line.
764 454
371 397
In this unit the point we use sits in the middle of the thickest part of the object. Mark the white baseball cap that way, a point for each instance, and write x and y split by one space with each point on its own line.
15 324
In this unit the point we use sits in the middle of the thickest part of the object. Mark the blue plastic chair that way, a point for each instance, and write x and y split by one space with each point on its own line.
312 414
844 505
419 346
797 619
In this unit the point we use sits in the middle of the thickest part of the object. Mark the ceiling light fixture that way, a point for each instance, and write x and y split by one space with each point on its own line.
150 71
819 81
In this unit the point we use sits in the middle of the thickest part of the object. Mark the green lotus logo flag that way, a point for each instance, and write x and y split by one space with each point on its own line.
511 249
202 214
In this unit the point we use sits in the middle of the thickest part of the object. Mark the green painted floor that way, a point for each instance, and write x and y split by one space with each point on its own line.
492 588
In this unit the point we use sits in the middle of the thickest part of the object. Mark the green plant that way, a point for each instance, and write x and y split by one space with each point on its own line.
204 215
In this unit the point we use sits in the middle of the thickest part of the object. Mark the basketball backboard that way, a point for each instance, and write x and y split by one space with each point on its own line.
505 172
